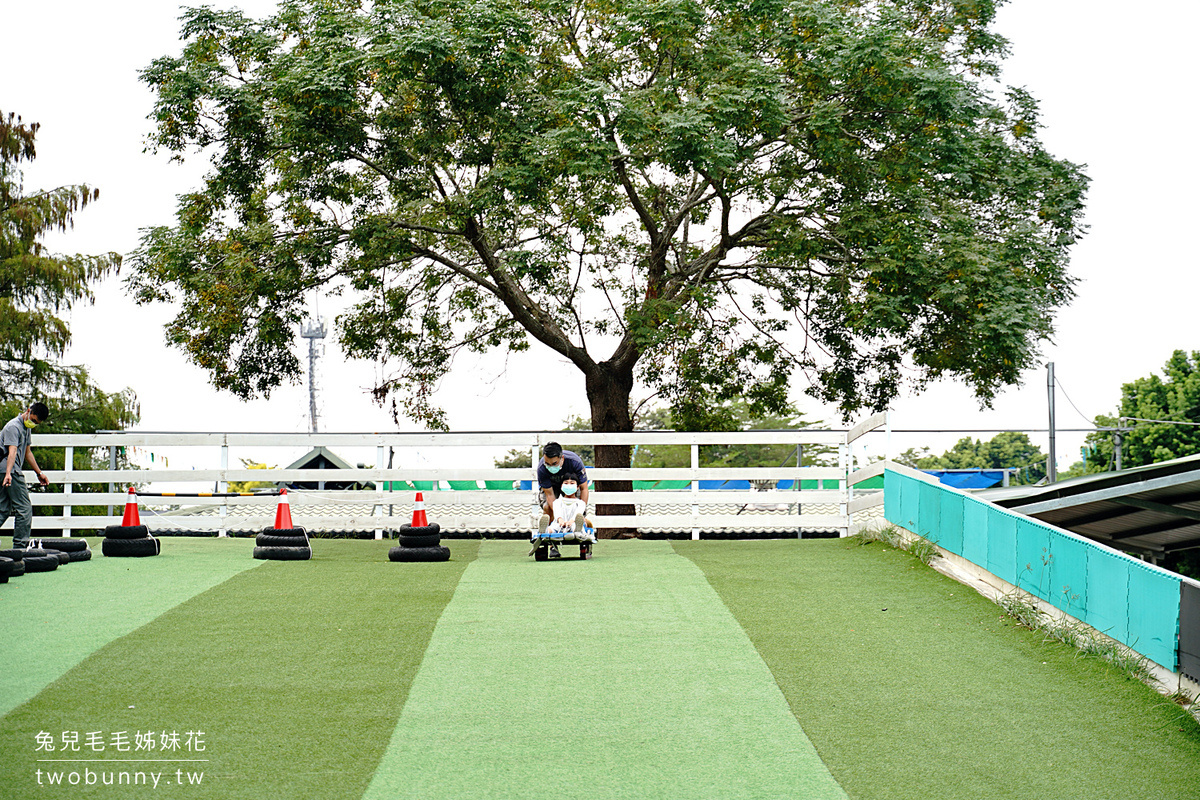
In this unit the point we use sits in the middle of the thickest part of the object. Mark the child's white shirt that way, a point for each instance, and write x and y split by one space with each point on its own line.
566 508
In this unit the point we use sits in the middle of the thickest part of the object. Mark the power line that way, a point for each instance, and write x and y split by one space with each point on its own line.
1160 421
1086 418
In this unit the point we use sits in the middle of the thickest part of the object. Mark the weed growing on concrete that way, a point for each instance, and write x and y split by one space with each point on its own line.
1086 640
1021 608
923 549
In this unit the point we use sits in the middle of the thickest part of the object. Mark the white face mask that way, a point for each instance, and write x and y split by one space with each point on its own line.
569 488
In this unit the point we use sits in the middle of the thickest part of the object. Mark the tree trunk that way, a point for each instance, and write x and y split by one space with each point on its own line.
608 390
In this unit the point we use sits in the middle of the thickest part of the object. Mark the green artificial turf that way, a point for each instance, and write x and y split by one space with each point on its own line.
295 672
620 677
53 620
911 685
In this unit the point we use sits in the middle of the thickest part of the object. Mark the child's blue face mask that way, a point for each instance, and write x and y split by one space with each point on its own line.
569 488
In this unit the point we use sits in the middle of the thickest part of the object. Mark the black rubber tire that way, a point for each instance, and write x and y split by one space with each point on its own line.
283 553
274 540
36 552
413 540
130 548
541 554
65 545
81 555
14 554
7 567
421 530
40 551
40 563
123 532
283 531
419 554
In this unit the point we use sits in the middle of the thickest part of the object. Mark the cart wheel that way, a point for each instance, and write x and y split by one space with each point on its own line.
585 550
541 554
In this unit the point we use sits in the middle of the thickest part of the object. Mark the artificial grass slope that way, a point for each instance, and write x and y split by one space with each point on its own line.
938 696
295 671
53 620
619 677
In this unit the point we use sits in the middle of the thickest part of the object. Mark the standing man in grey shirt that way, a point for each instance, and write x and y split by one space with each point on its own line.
14 493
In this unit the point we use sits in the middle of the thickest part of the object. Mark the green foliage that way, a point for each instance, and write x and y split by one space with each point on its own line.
1185 562
734 415
250 486
37 289
1009 449
514 459
912 457
739 417
1175 397
88 411
701 196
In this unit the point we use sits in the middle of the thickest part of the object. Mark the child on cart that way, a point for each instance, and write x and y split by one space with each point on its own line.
568 522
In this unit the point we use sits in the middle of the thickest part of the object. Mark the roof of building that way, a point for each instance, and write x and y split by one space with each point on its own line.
1153 509
323 511
322 457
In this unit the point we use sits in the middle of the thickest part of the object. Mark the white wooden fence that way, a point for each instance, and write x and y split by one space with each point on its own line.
689 510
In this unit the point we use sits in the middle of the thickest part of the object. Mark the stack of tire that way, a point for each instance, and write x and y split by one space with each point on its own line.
76 549
12 564
283 544
422 543
129 541
33 559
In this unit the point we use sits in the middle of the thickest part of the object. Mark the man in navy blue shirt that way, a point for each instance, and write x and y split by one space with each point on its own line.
555 464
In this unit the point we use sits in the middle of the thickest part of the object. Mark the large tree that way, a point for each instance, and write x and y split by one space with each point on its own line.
704 196
37 288
1159 417
1006 450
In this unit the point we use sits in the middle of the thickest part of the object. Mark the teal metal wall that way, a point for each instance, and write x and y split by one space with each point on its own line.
1131 601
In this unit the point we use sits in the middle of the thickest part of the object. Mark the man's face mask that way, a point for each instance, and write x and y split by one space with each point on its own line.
30 423
569 488
549 468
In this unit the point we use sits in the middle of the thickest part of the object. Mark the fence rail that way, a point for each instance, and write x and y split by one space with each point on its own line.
785 497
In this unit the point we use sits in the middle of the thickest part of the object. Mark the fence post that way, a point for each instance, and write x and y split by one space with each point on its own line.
68 467
112 464
798 487
534 449
695 493
844 487
378 510
223 486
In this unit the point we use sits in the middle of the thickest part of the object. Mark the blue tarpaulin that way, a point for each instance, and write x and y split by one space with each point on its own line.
968 479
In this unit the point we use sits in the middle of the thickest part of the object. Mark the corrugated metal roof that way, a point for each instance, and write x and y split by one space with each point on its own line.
1153 509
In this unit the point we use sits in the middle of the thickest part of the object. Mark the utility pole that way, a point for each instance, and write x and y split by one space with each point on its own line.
313 330
1118 441
1051 462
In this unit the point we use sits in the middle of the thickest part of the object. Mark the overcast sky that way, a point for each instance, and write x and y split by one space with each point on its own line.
1117 89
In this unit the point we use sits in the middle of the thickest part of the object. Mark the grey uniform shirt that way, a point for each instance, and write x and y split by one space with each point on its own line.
15 434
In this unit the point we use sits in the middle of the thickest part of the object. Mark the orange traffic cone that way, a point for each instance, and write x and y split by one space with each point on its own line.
283 514
131 517
419 519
